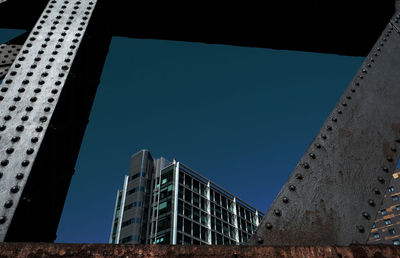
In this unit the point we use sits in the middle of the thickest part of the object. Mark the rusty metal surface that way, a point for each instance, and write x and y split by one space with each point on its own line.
333 194
109 250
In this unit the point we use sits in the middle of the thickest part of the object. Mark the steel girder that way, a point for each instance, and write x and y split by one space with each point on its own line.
45 102
334 193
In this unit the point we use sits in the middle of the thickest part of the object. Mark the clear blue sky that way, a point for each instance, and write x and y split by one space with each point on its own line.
241 117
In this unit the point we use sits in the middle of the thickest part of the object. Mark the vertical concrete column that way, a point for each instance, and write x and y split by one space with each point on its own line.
121 216
175 204
235 220
208 213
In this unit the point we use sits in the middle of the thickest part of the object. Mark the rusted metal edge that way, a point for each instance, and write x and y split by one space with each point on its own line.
119 250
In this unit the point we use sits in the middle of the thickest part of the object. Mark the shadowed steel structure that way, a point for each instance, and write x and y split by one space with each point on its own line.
52 76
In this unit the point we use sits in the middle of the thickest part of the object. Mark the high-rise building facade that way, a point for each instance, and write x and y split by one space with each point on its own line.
166 202
386 229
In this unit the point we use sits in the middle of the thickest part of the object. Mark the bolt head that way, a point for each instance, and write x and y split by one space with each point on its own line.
381 180
268 226
366 215
277 212
312 155
306 165
3 219
292 188
285 200
299 176
361 228
260 240
8 204
371 202
15 189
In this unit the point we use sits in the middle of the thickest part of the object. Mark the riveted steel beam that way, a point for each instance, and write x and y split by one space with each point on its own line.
44 109
333 194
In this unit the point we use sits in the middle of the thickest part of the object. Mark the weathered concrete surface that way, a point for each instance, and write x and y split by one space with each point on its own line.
111 250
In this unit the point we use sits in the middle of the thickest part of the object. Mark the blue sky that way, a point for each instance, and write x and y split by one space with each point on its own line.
241 117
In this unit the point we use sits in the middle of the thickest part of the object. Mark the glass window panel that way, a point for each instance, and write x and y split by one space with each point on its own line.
225 229
187 240
196 242
181 178
212 222
188 195
179 239
203 190
204 235
213 238
196 200
188 181
218 211
203 218
188 210
217 198
188 226
180 207
196 214
223 201
195 186
180 192
164 223
225 215
226 241
203 203
180 223
218 225
196 230
219 240
212 207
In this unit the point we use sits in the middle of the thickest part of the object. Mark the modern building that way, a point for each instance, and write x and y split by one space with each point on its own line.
166 202
386 229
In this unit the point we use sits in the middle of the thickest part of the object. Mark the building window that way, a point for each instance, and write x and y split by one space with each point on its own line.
392 231
376 235
396 242
398 207
395 197
374 226
383 212
388 221
391 189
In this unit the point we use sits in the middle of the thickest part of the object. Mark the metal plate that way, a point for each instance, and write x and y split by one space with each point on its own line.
31 92
333 195
8 52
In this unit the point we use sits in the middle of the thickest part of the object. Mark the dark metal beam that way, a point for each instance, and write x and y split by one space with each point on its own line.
333 195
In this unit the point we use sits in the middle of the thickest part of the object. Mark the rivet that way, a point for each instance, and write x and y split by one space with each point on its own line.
306 165
15 139
12 108
20 128
2 128
323 136
4 162
285 200
10 150
43 119
29 109
344 104
24 118
29 151
34 139
299 176
7 117
334 119
14 189
277 212
318 146
381 180
19 176
312 155
389 158
8 204
371 202
376 190
393 149
292 188
366 215
360 229
25 163
46 109
385 169
339 111
260 240
268 226
3 219
39 129
348 97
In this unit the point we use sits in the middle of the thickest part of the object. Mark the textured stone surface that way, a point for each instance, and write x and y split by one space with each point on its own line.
110 250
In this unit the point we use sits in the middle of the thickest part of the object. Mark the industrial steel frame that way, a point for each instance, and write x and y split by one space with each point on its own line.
50 80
